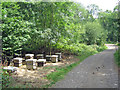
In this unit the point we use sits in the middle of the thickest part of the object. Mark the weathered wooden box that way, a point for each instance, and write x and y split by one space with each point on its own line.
41 62
29 56
40 56
52 58
31 63
48 58
23 62
17 62
59 56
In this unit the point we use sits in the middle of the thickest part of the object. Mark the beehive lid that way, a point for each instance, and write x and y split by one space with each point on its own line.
17 59
54 56
28 60
31 55
10 68
40 54
57 53
41 60
51 55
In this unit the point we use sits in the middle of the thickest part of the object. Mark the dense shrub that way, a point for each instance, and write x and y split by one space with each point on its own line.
94 33
80 49
32 26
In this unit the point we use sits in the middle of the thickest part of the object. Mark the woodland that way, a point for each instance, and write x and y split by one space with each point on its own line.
49 27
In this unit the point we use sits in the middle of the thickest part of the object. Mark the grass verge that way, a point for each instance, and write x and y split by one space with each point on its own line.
117 57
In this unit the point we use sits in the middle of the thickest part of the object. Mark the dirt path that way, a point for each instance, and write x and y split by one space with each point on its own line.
97 71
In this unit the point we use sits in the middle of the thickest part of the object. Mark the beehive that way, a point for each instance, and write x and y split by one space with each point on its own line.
48 58
40 56
29 56
41 62
59 56
17 62
31 63
52 58
23 62
10 68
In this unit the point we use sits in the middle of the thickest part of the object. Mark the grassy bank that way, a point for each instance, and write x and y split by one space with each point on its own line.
117 57
61 72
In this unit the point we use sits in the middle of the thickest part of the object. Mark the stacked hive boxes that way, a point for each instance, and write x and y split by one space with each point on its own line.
23 62
52 58
29 56
31 63
48 58
17 62
40 56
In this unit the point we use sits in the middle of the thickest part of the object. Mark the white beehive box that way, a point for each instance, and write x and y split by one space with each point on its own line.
17 60
52 58
31 63
29 56
59 56
40 56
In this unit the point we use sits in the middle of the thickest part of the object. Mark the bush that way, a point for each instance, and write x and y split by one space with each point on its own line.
101 48
94 33
81 49
5 79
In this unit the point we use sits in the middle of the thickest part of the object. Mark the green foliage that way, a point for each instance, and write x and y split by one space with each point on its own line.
65 26
94 33
118 44
80 49
5 79
110 22
117 57
46 25
15 31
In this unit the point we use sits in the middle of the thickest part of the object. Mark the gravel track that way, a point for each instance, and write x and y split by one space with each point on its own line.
97 71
